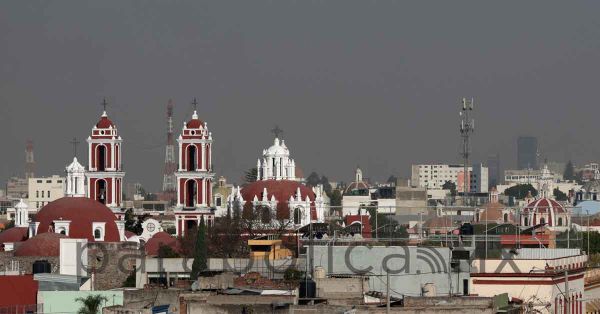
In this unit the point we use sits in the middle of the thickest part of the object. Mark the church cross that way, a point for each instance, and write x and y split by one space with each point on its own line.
74 142
277 131
104 103
195 103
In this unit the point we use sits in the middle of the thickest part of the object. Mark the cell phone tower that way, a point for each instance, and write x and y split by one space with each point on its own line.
467 127
170 167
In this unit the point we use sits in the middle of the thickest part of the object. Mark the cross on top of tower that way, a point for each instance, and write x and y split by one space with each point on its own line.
277 131
74 142
104 104
195 103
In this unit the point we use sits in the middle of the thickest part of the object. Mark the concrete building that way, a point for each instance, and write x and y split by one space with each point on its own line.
220 194
494 173
16 188
410 199
433 176
527 152
45 190
547 280
411 268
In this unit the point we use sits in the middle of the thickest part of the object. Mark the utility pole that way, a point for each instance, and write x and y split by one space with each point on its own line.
387 275
567 298
467 127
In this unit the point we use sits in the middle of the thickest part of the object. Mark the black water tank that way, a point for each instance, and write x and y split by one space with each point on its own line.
308 289
40 267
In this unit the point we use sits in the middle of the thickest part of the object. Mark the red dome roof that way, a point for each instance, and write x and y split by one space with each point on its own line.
15 234
105 123
542 205
159 239
45 244
82 212
282 190
194 124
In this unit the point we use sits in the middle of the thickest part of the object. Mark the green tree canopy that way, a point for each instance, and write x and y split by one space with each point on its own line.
569 173
520 191
449 185
559 195
251 175
91 304
200 252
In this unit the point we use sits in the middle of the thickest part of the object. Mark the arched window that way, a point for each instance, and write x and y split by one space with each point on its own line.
62 231
560 223
101 158
265 214
526 221
505 217
191 193
297 216
542 221
191 160
97 233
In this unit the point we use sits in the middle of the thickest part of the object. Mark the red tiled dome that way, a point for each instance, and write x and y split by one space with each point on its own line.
161 238
45 244
282 190
82 212
194 124
15 234
105 123
543 205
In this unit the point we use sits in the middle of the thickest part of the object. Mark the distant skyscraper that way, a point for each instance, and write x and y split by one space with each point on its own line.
493 164
29 161
527 151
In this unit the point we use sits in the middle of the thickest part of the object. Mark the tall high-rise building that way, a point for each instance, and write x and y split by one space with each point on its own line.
29 161
527 152
493 164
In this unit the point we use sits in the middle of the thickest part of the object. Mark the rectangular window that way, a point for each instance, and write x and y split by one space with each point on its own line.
48 181
48 194
58 181
39 181
37 204
37 193
42 193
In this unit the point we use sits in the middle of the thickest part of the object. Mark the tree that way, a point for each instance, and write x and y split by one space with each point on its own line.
336 198
133 223
200 252
165 251
251 175
449 185
520 191
392 179
91 304
313 179
569 173
326 185
559 195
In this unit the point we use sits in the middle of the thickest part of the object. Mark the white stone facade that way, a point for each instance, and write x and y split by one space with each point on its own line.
276 163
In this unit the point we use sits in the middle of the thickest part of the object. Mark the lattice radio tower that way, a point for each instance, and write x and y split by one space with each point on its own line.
467 127
170 167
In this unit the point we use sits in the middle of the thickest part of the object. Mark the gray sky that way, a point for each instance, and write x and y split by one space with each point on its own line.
369 83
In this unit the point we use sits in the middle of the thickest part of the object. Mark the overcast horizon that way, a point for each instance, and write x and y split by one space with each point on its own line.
370 83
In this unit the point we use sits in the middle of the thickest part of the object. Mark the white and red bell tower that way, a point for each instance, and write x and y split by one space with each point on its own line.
105 173
194 175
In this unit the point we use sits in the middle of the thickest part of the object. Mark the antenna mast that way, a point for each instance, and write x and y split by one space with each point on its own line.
467 127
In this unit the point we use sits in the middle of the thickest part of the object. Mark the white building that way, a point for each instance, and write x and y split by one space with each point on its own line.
45 190
536 276
433 176
276 163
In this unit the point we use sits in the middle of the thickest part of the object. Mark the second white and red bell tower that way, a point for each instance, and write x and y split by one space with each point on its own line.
194 175
105 173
